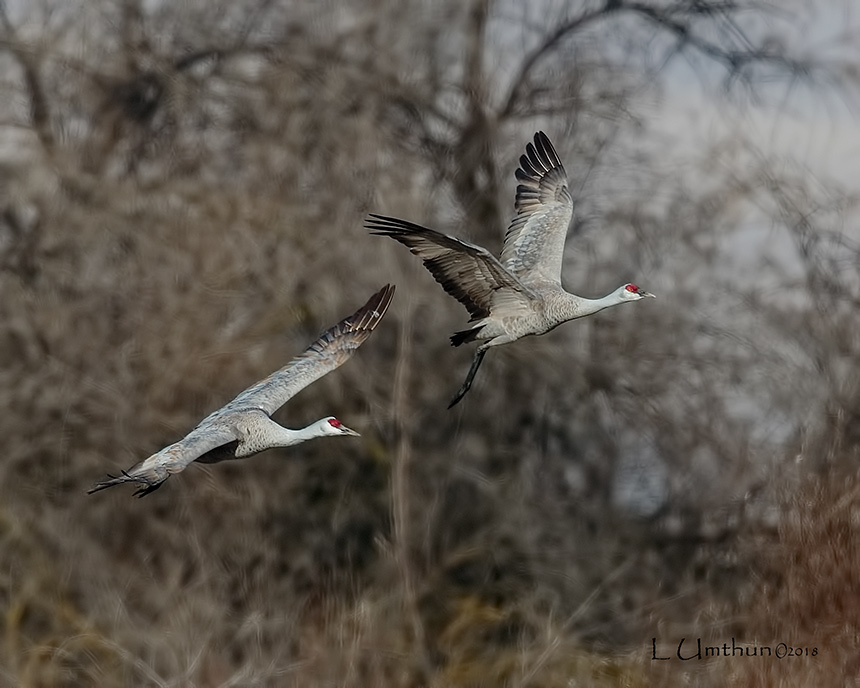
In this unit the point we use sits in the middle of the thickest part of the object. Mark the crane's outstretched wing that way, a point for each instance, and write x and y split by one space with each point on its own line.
534 242
149 474
469 273
332 349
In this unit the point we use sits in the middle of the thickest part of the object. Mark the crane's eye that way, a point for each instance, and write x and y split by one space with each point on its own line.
334 422
632 288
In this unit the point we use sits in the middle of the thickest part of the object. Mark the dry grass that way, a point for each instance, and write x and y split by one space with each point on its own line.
808 590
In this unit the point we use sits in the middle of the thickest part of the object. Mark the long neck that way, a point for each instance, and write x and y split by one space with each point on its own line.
296 436
261 433
276 435
578 307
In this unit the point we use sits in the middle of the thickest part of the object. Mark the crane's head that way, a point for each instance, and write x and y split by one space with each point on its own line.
332 426
630 292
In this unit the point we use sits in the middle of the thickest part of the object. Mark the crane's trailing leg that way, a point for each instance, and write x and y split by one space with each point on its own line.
476 363
147 485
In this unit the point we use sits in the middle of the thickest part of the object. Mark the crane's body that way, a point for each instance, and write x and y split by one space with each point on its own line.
534 316
521 293
244 427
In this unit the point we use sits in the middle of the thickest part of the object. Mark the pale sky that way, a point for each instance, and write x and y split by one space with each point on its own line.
821 133
816 126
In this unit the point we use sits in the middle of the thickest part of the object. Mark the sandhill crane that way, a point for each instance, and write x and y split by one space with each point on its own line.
521 294
243 427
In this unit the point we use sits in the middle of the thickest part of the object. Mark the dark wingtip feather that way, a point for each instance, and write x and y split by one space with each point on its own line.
392 226
381 300
546 150
542 143
538 164
368 316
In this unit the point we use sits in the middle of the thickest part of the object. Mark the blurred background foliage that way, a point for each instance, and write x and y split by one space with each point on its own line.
182 189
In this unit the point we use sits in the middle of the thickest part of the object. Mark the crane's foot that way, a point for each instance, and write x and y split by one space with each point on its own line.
112 480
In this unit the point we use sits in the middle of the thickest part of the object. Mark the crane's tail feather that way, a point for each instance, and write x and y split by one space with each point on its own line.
467 383
465 336
147 485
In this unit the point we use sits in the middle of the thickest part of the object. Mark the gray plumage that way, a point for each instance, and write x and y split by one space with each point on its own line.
243 427
521 294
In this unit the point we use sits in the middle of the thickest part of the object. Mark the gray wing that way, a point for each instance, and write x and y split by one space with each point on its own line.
534 242
469 273
150 473
331 350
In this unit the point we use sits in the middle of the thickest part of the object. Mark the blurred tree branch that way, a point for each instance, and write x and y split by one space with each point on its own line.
28 61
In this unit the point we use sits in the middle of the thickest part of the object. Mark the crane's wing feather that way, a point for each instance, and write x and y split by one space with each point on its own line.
153 471
469 273
333 348
534 242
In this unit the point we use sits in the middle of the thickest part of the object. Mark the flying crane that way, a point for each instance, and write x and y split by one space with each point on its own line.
521 293
244 426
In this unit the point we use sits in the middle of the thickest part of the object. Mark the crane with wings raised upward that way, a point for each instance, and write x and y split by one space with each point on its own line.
521 293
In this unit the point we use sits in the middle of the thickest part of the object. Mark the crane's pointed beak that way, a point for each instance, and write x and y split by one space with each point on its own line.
349 431
647 293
